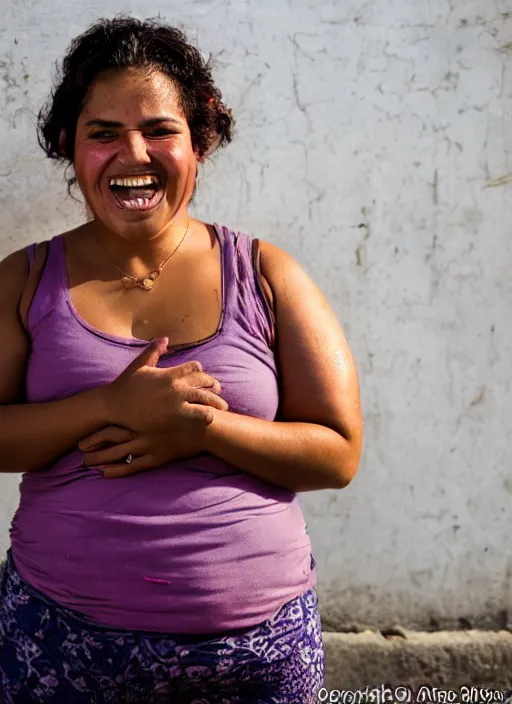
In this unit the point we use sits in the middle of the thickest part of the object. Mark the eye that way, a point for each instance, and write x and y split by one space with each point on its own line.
160 133
103 136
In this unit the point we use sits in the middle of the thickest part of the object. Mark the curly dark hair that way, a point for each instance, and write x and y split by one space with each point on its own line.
126 42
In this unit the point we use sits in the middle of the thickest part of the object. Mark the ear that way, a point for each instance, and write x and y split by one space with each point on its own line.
200 158
62 143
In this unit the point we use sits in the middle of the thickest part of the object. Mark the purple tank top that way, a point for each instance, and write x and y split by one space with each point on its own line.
195 546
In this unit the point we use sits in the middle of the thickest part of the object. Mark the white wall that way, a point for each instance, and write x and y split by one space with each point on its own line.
367 133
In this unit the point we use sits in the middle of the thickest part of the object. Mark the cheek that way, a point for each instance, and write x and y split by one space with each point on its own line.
90 161
176 158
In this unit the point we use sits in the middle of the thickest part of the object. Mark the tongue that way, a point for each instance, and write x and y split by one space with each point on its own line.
133 193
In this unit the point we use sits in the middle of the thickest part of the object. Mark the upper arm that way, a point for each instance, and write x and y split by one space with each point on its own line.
14 345
318 377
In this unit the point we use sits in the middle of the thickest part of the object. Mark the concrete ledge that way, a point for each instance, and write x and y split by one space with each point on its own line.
448 660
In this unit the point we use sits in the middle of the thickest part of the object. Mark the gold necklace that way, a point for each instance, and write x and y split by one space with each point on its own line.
147 282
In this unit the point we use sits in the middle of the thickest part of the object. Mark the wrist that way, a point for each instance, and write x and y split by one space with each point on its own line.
100 403
212 430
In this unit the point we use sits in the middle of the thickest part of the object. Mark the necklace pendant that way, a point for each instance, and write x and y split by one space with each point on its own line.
147 283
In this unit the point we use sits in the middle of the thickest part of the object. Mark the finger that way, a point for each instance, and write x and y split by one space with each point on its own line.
139 464
111 434
182 370
150 355
111 455
206 398
196 412
204 381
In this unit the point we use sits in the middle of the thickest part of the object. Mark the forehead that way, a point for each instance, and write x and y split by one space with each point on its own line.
131 94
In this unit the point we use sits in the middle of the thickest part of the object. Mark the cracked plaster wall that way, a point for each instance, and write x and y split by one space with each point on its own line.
374 144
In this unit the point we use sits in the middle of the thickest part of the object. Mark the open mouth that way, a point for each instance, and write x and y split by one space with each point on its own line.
136 192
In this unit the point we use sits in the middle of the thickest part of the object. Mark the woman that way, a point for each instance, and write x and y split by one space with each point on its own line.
167 387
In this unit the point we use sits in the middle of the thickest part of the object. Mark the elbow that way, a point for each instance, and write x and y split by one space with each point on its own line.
346 454
346 466
5 464
343 477
14 465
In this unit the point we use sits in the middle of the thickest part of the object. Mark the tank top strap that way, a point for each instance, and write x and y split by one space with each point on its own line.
245 303
31 254
52 282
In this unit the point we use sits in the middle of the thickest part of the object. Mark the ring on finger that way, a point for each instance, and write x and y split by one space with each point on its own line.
129 458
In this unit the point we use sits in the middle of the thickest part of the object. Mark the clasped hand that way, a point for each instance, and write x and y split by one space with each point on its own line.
157 415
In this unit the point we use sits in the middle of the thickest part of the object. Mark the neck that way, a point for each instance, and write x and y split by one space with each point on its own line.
137 256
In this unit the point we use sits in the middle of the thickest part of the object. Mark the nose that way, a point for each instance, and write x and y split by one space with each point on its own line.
133 150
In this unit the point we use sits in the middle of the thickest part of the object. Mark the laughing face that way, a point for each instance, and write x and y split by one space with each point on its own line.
134 160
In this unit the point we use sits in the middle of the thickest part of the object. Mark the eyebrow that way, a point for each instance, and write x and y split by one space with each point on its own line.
146 123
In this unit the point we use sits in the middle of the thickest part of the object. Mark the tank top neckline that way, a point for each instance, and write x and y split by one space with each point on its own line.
135 341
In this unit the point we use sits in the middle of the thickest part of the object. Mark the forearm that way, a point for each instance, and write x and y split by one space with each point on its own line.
295 456
34 435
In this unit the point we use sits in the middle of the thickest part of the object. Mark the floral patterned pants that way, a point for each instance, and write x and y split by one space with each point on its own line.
50 655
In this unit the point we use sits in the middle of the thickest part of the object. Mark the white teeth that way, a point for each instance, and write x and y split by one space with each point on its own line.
133 182
137 203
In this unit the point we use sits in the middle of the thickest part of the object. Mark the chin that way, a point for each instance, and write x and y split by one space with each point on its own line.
140 230
136 226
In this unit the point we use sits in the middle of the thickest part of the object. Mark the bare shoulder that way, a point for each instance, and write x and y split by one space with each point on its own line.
273 259
19 282
285 276
298 301
14 349
13 274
